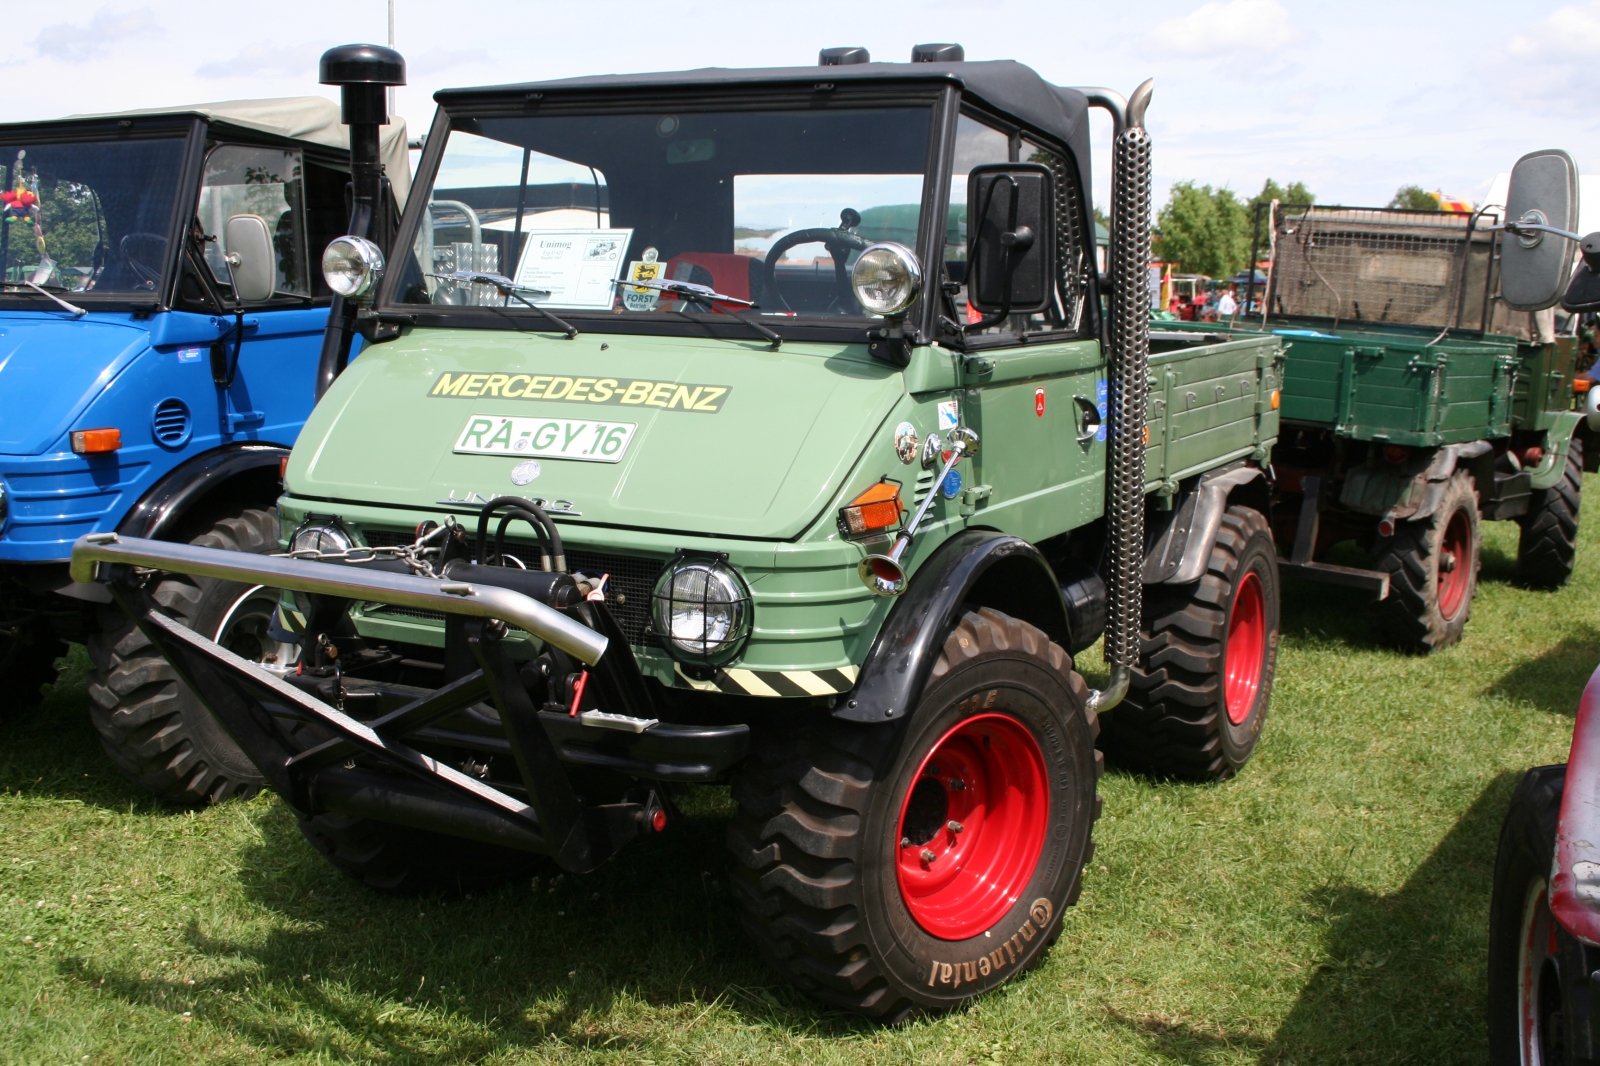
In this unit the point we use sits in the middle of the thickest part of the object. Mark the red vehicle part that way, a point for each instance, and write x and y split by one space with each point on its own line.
1575 891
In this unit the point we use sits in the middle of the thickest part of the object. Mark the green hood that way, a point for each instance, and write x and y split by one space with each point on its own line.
755 443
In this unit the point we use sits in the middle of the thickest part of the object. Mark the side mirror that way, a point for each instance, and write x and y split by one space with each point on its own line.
247 248
1010 240
1534 264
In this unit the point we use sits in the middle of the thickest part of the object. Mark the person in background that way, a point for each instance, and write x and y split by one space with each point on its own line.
1227 307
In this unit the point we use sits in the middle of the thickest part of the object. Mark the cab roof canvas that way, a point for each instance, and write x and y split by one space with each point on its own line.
300 118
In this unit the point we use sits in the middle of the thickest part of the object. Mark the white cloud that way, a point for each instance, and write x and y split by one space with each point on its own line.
1225 26
1573 30
268 61
72 43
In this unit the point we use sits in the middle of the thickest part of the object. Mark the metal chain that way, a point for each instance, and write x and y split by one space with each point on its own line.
406 553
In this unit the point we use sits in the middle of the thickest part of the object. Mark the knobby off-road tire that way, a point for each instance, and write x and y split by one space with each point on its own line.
403 861
1537 997
992 775
1433 571
156 732
1208 653
1549 540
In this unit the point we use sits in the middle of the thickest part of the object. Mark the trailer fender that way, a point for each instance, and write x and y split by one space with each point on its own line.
977 567
1405 492
1560 435
241 472
1181 552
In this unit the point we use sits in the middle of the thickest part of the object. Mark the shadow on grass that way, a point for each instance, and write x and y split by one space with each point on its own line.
1496 565
1403 976
1554 680
1322 613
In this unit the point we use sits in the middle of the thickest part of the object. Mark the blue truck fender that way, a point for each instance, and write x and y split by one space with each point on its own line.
244 470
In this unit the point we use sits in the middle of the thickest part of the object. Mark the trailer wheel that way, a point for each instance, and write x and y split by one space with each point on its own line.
154 729
1537 983
915 864
1433 571
403 861
1208 654
1549 539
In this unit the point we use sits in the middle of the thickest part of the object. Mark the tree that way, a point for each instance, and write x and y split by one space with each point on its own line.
1204 230
1295 193
1414 198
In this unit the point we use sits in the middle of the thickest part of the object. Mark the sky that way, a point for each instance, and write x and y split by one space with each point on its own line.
1353 98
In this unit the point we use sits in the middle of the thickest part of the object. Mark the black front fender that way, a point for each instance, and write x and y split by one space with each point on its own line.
239 472
977 567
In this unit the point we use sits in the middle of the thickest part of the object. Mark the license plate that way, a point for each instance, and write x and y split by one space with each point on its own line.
589 440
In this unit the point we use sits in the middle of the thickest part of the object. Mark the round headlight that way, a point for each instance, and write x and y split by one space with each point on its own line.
887 278
324 538
701 610
352 265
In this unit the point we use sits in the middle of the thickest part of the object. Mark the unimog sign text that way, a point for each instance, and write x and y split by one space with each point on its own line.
672 395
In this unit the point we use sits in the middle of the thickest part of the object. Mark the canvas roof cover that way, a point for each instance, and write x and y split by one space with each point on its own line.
301 118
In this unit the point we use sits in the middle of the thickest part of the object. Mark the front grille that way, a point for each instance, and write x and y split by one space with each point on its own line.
632 578
408 612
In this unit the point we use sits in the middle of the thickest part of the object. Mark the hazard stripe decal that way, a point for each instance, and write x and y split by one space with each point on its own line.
779 684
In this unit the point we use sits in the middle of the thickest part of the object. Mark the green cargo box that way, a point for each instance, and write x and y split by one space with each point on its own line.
1398 388
1210 404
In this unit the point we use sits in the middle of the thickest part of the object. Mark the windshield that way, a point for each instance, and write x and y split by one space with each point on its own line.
89 216
763 208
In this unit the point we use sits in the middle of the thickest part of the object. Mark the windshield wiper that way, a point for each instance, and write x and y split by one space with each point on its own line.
711 298
42 291
509 288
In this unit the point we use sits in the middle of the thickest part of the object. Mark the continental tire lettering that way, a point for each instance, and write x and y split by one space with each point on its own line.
1009 953
668 395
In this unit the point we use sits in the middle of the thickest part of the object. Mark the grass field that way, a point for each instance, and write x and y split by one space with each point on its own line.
1328 906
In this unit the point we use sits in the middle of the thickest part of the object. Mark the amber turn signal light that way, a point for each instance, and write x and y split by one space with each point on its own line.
95 441
877 509
1582 384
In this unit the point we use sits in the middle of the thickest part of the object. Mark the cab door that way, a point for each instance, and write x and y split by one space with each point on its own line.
1034 386
264 373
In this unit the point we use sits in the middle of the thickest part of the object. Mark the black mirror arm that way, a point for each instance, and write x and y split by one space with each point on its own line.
1016 240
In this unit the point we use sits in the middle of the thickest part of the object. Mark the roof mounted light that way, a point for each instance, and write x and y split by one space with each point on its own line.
352 266
886 278
843 57
938 53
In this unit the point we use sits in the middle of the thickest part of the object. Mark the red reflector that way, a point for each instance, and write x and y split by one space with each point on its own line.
1396 453
94 441
1582 384
283 467
1532 456
1038 402
1386 527
658 821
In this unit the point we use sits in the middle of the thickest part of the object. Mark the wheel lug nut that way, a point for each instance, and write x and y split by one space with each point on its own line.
954 826
905 842
957 785
928 856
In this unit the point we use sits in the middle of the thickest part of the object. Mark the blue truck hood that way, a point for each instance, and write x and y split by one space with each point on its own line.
51 367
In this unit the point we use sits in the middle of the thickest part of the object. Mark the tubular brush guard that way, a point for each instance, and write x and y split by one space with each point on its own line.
269 717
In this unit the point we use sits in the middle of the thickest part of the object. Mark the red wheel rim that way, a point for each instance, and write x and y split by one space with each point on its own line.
1537 977
986 776
1455 564
1246 655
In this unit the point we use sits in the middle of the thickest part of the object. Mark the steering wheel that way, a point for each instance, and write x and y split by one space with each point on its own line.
840 243
149 277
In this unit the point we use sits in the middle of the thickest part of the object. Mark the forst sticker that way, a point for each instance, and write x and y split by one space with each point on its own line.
623 392
1100 395
649 268
587 440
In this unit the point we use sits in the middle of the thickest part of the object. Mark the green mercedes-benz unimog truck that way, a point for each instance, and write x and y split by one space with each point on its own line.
762 427
1422 394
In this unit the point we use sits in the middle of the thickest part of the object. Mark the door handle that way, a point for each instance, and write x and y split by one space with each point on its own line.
1089 422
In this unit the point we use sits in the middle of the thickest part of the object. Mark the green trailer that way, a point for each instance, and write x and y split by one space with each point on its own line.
1411 411
668 461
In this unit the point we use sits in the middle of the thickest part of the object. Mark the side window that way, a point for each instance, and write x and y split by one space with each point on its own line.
976 143
268 182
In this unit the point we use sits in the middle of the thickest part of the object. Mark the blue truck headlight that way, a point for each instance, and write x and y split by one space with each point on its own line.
701 610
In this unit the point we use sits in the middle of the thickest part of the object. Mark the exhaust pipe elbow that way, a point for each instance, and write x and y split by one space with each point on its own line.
1102 700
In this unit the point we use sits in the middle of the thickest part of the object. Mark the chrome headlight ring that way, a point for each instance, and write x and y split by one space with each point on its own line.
352 266
886 278
323 535
701 610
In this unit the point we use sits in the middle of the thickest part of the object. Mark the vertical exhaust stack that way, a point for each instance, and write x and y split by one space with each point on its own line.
364 73
1130 367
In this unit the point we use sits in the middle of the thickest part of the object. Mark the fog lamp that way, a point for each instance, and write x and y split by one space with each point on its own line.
886 278
701 610
352 266
322 537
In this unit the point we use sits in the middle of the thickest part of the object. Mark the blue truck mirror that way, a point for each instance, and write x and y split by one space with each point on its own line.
247 247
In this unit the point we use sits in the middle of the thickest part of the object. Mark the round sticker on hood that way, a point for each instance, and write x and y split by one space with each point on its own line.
525 472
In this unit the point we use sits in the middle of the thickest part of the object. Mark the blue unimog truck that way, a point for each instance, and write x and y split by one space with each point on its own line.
162 314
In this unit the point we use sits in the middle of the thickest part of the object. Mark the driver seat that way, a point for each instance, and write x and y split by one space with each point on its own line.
728 273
